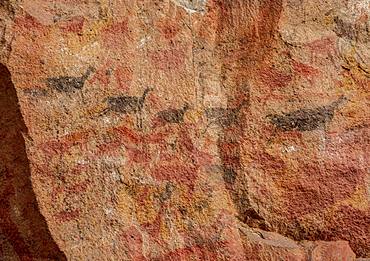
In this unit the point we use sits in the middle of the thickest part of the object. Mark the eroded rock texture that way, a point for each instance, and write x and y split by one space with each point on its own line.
23 230
184 130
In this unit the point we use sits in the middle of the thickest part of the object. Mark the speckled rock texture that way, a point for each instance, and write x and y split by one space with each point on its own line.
147 130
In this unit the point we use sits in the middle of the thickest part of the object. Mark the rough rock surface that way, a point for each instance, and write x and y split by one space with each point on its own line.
184 130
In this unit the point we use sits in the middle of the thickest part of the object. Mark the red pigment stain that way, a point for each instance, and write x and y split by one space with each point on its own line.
66 216
168 60
73 189
156 138
78 188
176 172
165 156
353 222
123 76
115 35
268 161
110 148
102 76
275 78
127 133
304 69
62 145
138 156
74 25
135 138
348 143
230 246
199 157
42 170
133 241
79 168
28 22
323 46
168 29
317 188
154 228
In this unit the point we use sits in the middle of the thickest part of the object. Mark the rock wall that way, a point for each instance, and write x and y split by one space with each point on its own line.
182 130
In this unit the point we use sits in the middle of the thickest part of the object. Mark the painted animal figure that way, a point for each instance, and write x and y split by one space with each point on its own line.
224 117
127 104
69 84
173 115
307 119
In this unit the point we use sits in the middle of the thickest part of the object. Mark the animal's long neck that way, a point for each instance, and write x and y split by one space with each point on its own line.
87 74
185 108
240 106
336 104
142 99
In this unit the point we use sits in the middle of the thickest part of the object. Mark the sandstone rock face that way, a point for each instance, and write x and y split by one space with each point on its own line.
184 130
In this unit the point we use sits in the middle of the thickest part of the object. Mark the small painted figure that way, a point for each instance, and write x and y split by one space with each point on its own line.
307 119
127 104
224 117
69 84
173 115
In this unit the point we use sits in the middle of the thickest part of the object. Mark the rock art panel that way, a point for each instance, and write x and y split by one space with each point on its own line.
208 130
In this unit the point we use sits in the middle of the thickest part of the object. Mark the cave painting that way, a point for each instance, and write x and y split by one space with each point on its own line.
175 145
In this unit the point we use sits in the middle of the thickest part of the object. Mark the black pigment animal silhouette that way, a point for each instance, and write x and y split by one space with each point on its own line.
307 119
69 84
344 29
127 104
173 115
224 117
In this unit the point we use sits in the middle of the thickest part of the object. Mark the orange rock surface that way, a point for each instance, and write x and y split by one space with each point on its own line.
184 130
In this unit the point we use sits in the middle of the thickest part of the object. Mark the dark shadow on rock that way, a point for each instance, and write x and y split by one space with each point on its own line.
23 230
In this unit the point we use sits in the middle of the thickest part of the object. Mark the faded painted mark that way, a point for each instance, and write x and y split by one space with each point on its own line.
173 115
127 104
224 117
68 83
168 60
307 119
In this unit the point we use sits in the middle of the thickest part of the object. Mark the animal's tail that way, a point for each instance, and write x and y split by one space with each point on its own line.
339 102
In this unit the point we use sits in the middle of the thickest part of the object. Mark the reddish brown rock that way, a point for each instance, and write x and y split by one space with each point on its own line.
336 250
262 245
160 130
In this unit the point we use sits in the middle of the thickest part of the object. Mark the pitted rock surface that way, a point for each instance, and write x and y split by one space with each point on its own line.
184 130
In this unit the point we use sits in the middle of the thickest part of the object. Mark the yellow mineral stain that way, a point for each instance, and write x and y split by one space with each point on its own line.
125 206
357 200
193 116
146 207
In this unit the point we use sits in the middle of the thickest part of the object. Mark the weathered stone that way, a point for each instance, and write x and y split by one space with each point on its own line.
336 250
262 245
182 130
